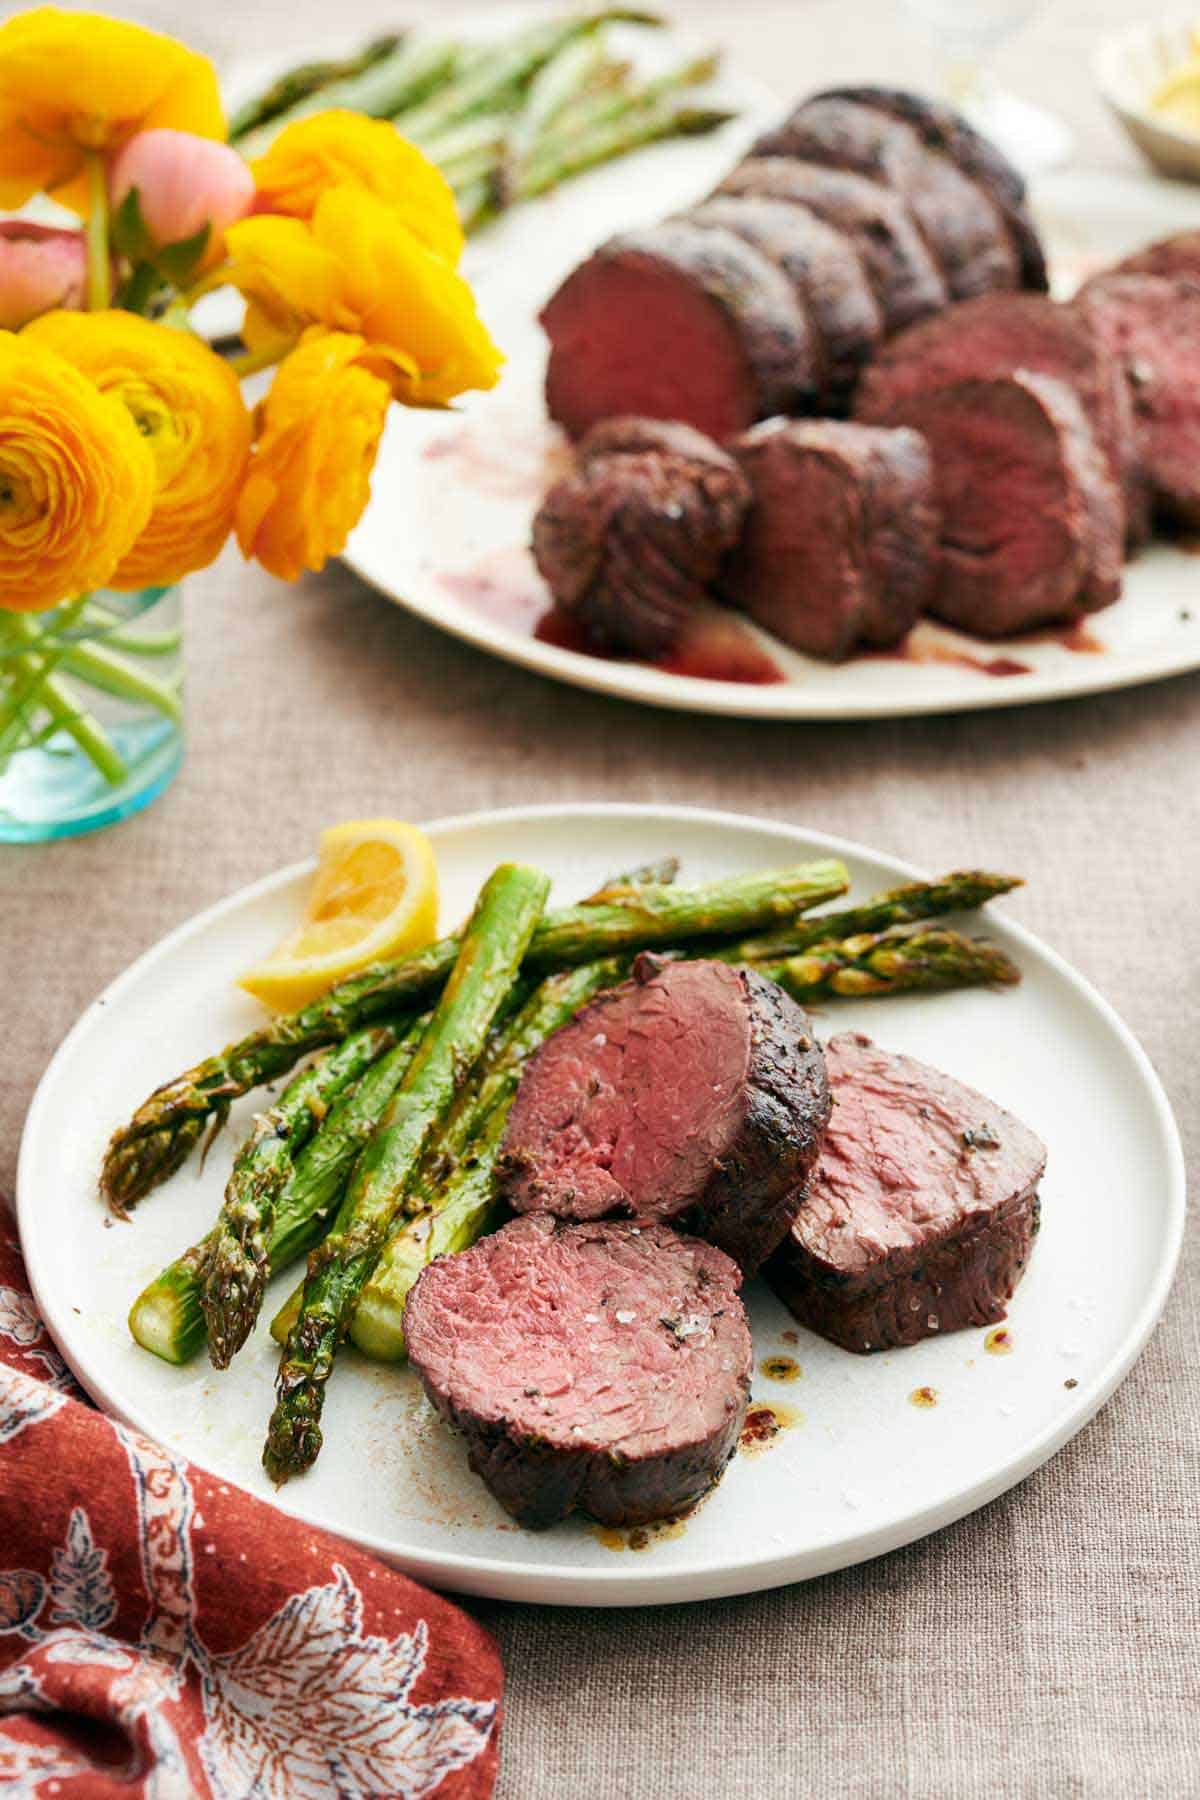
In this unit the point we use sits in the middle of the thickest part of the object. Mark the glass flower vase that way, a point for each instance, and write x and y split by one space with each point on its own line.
91 712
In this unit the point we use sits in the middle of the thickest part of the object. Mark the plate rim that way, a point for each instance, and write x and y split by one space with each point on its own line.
527 1580
647 686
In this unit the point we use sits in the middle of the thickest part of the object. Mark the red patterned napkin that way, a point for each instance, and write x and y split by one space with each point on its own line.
165 1635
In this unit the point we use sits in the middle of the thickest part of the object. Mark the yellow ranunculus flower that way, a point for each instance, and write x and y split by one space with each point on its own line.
76 479
356 268
189 413
310 476
336 149
73 82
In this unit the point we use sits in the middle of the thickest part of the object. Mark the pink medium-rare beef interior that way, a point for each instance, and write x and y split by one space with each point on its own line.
1030 518
1151 323
909 1155
610 1337
800 571
679 360
1000 335
695 1092
635 1102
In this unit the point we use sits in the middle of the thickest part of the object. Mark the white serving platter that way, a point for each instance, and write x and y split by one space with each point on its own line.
856 1470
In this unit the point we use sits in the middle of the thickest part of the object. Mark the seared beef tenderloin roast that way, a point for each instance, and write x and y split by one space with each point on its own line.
940 127
827 274
604 1366
630 543
694 1093
921 1211
672 322
840 546
678 322
900 266
962 226
1030 518
1151 323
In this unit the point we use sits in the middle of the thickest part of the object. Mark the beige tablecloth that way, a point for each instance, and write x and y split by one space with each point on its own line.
1045 1647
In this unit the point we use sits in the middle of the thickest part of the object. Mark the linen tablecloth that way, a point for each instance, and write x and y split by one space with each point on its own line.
1047 1646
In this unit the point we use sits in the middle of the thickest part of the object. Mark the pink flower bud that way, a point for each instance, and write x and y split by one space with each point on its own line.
40 269
183 184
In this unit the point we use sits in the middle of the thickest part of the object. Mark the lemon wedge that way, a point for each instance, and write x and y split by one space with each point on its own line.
1178 98
374 895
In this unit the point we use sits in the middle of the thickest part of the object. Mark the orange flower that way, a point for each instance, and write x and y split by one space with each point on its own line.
310 477
355 268
76 479
188 410
75 82
344 149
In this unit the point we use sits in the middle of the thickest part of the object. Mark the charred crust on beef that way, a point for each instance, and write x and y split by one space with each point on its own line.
840 546
900 1226
677 322
942 128
597 1366
1151 324
711 1103
899 265
829 278
630 544
957 216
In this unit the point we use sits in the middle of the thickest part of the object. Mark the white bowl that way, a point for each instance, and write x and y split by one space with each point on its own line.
1129 66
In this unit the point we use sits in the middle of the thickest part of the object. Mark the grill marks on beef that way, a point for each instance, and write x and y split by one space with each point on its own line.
1031 521
631 542
694 1093
840 546
958 219
603 1366
1001 335
827 274
907 282
1151 324
677 322
921 1210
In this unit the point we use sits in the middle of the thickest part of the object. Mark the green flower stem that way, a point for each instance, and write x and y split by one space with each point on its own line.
99 269
88 732
101 669
46 690
17 633
101 621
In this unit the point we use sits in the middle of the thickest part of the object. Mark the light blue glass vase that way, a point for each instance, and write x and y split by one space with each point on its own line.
91 712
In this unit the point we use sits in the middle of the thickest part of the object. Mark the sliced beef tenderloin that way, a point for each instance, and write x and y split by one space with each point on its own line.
1031 519
630 543
678 322
941 128
907 282
694 1093
958 218
840 547
1151 323
921 1211
828 275
1177 255
600 1366
997 335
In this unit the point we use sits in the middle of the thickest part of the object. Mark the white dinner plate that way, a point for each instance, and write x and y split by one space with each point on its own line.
857 1469
447 529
